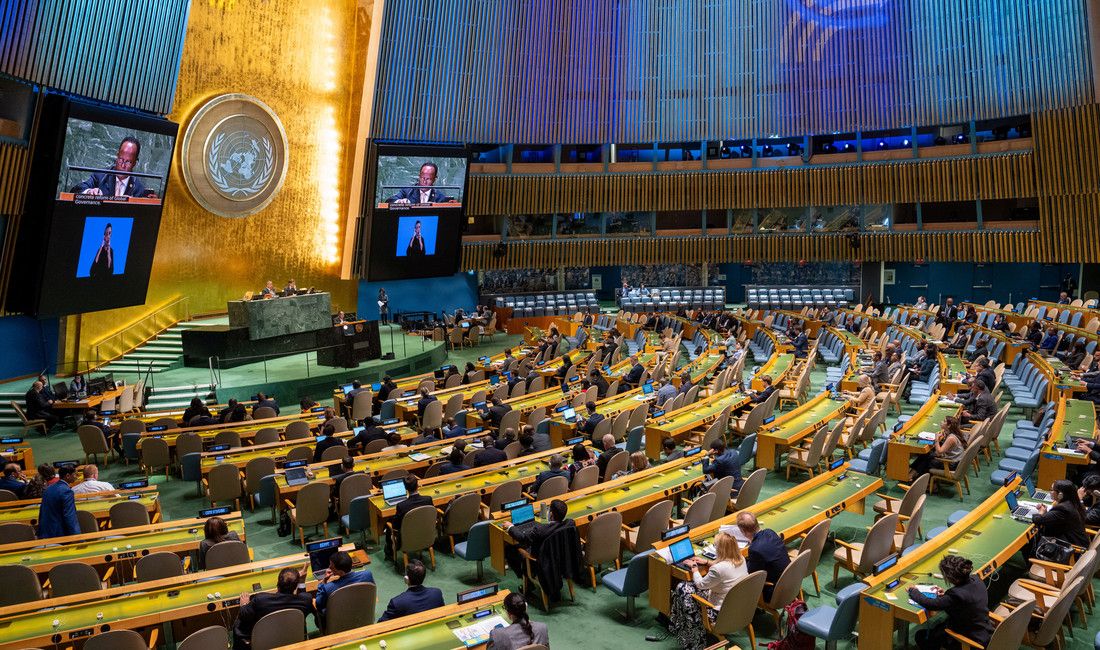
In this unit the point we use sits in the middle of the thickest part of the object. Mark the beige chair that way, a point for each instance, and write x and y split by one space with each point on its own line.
214 637
859 559
28 424
512 449
166 422
116 640
738 608
814 543
8 495
1044 578
93 443
909 526
351 606
418 533
277 629
1053 612
265 436
957 476
154 454
393 475
455 339
228 437
356 485
504 493
375 446
87 521
158 566
228 553
336 452
128 514
300 453
311 509
903 506
134 425
808 459
654 522
552 487
73 578
618 463
187 443
223 483
297 430
585 477
15 532
787 587
263 413
254 472
602 544
452 381
510 420
362 406
454 405
699 512
21 585
519 390
339 424
1008 634
433 415
749 493
459 517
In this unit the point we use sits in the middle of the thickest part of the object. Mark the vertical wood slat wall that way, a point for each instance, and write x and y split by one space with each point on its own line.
599 71
122 52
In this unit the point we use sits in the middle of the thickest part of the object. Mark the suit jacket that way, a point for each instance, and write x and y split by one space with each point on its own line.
767 553
966 606
413 601
403 508
261 605
763 395
981 407
57 513
270 403
1062 522
37 404
106 184
605 457
800 344
488 456
635 374
370 434
590 423
325 590
547 475
513 636
412 194
988 377
727 464
13 485
496 414
323 444
924 372
423 404
601 386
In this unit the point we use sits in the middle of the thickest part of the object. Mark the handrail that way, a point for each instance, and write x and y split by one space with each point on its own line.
104 353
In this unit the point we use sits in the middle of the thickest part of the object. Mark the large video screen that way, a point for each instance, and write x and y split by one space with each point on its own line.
416 225
92 215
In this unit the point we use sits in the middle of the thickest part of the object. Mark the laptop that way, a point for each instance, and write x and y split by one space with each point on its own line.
570 414
347 388
523 517
320 553
681 550
647 389
1020 511
394 491
494 380
1038 495
296 476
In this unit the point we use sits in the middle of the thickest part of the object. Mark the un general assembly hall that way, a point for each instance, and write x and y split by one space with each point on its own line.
530 324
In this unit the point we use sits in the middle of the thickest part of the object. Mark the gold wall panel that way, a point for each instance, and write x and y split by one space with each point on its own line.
304 59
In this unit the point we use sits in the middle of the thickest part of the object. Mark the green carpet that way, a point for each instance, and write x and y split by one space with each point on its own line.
590 621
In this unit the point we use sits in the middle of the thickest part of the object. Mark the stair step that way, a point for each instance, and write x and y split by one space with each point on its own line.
142 353
161 390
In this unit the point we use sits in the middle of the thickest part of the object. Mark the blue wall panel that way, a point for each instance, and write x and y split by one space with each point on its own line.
999 282
429 294
29 346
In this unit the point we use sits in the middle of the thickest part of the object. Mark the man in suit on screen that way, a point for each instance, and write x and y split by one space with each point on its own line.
422 192
119 183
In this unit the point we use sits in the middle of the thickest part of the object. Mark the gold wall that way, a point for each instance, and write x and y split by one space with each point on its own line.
304 59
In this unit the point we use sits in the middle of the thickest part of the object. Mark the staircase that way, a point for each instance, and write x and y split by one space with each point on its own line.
179 397
8 418
163 352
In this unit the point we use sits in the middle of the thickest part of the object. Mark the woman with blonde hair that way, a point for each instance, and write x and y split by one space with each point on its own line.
638 462
728 566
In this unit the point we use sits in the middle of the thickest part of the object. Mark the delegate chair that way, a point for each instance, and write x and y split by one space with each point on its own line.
860 558
16 532
214 637
116 640
631 582
738 607
1008 633
460 515
814 542
158 566
21 585
351 606
418 533
476 547
787 587
128 514
654 522
94 443
832 624
155 454
73 578
264 436
278 629
224 484
28 424
603 544
311 509
228 553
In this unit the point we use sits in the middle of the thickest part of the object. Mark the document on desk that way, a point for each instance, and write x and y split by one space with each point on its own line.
478 632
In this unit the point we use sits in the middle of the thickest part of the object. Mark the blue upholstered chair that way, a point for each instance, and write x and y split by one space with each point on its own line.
476 546
631 581
832 624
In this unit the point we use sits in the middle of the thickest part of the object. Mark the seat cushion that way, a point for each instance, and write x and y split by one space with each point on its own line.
841 554
615 581
954 517
817 621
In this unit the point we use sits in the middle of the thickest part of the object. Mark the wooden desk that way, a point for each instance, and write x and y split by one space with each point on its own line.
987 536
98 503
631 495
246 430
778 366
406 408
90 402
18 453
560 430
789 513
790 428
952 372
1073 419
693 417
904 443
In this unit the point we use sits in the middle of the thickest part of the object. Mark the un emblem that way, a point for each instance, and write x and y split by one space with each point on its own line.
234 155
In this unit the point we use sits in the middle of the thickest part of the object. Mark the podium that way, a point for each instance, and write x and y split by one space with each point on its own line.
272 317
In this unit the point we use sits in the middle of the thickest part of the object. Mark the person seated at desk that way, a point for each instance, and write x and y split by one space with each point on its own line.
531 537
428 435
387 387
522 632
685 383
1049 342
339 319
113 438
557 461
371 432
949 446
13 480
325 441
763 395
596 378
413 500
921 303
489 454
214 531
263 400
1073 359
395 443
1089 493
195 410
417 598
588 426
879 373
638 462
1064 299
42 479
233 412
356 388
306 404
670 450
984 373
1065 520
91 482
338 574
766 550
291 288
39 406
506 437
495 413
565 371
526 444
454 463
966 603
269 290
78 387
1092 450
256 606
426 398
470 370
667 391
451 372
866 395
451 428
979 405
581 459
686 618
57 512
721 462
634 375
609 450
347 468
800 342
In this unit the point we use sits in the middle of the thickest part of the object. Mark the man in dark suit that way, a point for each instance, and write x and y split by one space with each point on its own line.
497 410
347 468
13 480
371 432
721 462
452 429
634 375
489 454
948 314
39 406
763 395
531 537
609 450
263 400
256 606
326 440
597 379
414 500
422 192
766 550
417 598
556 463
800 342
338 574
593 418
57 512
119 182
388 385
426 398
233 412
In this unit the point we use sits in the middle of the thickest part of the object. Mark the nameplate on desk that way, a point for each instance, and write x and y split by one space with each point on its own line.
159 427
10 441
875 602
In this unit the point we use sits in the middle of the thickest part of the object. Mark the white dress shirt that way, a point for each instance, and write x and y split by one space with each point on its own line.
92 486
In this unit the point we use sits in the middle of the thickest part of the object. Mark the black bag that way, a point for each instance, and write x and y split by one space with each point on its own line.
284 524
1050 549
